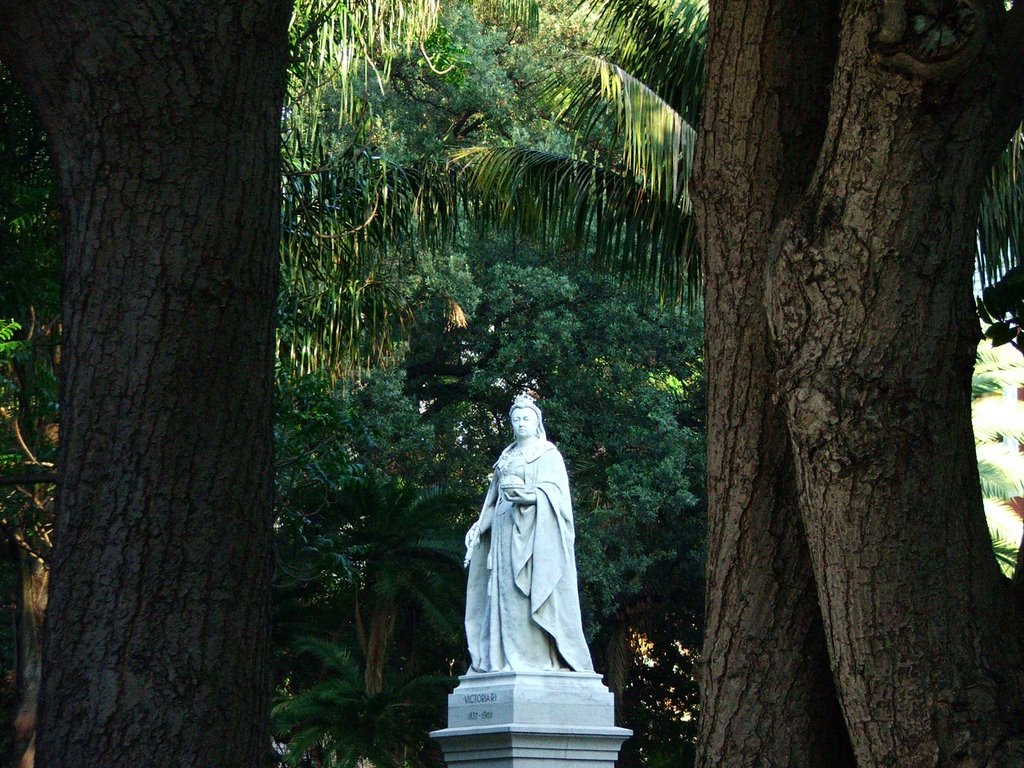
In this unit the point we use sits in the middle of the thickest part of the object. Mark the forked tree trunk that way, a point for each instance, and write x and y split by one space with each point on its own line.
855 611
164 124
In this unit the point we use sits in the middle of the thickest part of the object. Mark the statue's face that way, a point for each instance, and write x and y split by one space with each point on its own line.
524 423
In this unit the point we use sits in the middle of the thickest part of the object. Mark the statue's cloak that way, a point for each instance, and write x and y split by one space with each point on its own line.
522 595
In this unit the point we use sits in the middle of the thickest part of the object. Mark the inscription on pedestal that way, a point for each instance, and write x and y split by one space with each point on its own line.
481 715
531 720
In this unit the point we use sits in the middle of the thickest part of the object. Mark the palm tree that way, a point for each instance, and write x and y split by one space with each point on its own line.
338 723
368 565
404 548
389 550
623 193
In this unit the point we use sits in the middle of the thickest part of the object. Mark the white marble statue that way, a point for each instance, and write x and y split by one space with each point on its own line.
522 604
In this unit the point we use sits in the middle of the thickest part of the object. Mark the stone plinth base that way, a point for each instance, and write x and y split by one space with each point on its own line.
531 720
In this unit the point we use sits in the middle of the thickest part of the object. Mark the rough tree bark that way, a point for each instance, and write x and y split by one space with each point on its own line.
855 613
164 126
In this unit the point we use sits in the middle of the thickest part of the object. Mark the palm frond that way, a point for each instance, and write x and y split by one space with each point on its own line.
338 720
996 417
339 328
1005 529
346 219
631 207
397 535
657 144
349 44
566 202
1001 470
1001 218
661 42
996 369
356 205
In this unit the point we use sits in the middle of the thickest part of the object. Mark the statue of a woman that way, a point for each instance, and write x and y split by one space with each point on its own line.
522 604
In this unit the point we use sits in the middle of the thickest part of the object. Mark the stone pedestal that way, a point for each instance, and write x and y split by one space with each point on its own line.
531 720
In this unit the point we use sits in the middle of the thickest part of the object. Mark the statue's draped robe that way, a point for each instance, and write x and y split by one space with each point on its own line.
522 603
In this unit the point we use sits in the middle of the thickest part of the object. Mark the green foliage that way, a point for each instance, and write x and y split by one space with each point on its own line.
332 708
366 540
365 179
342 46
622 193
995 371
657 144
344 204
394 438
1006 552
401 543
29 271
524 14
29 335
29 256
446 58
997 421
344 526
9 345
662 43
29 306
566 202
337 723
662 699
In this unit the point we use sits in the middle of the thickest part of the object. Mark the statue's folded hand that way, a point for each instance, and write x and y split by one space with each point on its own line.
520 496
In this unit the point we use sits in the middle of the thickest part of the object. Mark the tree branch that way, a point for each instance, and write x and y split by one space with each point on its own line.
24 446
17 538
430 63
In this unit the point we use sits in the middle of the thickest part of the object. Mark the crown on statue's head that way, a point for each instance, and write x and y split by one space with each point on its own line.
524 401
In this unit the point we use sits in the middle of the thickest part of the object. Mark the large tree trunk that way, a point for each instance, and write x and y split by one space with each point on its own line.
164 124
855 610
